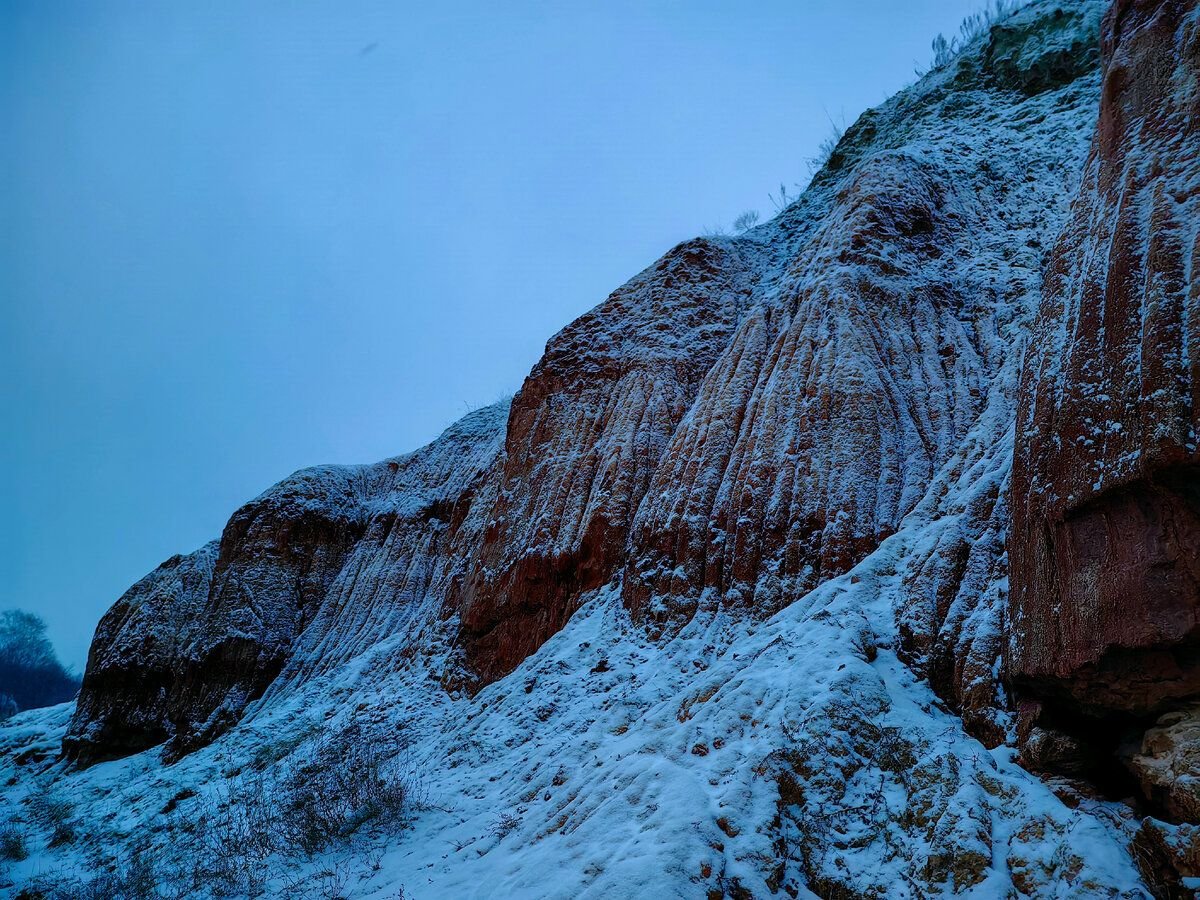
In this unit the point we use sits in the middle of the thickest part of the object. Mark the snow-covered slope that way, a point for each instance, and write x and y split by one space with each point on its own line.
717 607
319 568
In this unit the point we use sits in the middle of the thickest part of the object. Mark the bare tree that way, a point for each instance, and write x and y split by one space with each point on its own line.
31 674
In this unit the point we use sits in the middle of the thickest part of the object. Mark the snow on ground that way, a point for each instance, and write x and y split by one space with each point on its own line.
611 766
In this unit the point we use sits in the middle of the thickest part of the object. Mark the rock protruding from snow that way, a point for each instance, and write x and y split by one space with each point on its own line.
586 433
187 648
1106 518
135 659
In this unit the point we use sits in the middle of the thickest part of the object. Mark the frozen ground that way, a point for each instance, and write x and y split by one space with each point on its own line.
610 766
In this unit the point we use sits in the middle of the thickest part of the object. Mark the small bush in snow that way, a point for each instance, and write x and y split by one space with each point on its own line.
136 879
235 832
346 780
973 26
746 220
780 201
13 846
504 825
318 796
333 882
48 807
51 810
825 148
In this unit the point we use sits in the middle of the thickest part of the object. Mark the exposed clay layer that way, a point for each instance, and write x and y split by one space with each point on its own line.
745 419
324 565
1106 524
586 433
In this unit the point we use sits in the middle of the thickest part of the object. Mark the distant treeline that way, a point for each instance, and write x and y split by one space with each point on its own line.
31 674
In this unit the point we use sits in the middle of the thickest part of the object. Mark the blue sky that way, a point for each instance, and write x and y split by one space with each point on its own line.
239 238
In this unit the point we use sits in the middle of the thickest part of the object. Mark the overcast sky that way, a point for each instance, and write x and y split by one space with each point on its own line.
239 238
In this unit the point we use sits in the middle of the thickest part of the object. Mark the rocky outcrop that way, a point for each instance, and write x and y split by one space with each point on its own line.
746 419
1166 764
1106 509
822 425
231 617
135 659
181 655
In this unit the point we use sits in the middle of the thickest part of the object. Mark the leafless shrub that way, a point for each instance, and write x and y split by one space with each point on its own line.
813 812
945 51
51 810
780 202
13 845
42 886
828 144
239 830
504 825
234 834
320 795
346 780
47 806
136 878
333 882
746 220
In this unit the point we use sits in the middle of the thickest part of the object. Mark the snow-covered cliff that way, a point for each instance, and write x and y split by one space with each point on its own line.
719 604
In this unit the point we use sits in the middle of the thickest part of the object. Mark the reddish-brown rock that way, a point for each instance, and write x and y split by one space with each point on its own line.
747 418
328 563
585 435
822 424
1106 478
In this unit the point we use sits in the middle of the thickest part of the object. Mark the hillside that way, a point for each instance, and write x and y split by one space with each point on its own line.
719 604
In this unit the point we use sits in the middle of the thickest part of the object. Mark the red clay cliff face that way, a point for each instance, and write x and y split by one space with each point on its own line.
744 420
585 435
1106 477
821 425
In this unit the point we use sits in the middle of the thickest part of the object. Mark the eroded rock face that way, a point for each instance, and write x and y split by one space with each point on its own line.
1106 518
181 655
746 419
586 433
821 426
860 392
231 622
134 659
